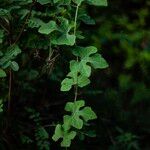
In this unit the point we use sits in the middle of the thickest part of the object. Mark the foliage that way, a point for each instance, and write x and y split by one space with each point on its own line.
33 34
50 52
64 131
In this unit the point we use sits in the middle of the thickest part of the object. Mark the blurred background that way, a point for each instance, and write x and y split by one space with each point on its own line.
122 95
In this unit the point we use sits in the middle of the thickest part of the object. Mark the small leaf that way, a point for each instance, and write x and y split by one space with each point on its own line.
66 84
67 136
2 73
98 2
88 114
58 133
35 22
88 56
43 2
7 58
86 19
78 2
83 81
63 37
47 28
73 78
98 62
67 139
76 112
14 66
10 54
1 106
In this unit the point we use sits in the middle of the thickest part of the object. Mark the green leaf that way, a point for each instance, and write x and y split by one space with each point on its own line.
78 2
43 2
11 53
35 22
78 79
4 13
1 106
2 73
62 2
66 84
65 135
47 28
98 2
1 36
56 1
58 133
86 19
63 37
88 56
73 78
77 113
88 114
14 66
83 81
67 139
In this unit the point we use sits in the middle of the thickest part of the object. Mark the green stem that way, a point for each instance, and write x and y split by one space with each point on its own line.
75 28
75 20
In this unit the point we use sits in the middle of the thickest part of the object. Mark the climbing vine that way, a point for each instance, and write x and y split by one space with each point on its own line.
44 27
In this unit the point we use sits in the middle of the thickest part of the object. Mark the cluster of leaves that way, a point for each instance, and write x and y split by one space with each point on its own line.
80 71
45 28
64 131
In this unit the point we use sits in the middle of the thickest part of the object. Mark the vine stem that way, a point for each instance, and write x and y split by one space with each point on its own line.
9 92
75 28
75 20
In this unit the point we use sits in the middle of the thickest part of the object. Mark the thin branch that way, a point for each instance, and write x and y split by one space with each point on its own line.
4 28
75 28
75 21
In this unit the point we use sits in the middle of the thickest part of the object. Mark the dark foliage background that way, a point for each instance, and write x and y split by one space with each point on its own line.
120 95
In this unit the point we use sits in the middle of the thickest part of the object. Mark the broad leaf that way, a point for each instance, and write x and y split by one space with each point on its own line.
98 2
88 56
66 135
10 54
43 2
63 37
77 113
74 78
47 28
